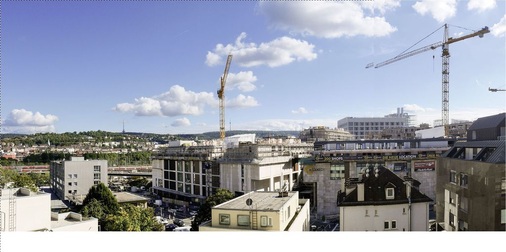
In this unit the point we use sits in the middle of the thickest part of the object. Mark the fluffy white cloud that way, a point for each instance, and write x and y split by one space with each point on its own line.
181 122
244 81
24 121
286 124
177 101
439 9
241 101
499 29
300 110
278 52
481 5
329 19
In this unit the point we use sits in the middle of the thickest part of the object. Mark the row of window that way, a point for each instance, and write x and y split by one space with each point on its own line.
374 123
244 220
459 178
389 225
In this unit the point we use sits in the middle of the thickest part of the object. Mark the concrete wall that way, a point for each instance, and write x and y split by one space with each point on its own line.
26 216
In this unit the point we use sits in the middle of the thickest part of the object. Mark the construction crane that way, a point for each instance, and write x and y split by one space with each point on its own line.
445 61
495 89
221 97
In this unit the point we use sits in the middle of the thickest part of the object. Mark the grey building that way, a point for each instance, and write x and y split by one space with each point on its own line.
335 162
71 180
362 127
321 133
471 179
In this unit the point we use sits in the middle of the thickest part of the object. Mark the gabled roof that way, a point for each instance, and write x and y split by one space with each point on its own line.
374 189
488 122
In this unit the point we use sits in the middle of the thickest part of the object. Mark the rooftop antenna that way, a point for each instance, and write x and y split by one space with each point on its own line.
123 127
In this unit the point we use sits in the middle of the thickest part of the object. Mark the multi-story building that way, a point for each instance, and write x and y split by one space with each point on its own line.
381 201
261 211
321 133
185 173
334 162
471 179
264 165
24 210
71 180
362 127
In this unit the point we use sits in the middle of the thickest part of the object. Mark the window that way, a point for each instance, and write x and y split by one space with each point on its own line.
452 198
96 176
243 220
387 225
393 224
367 213
463 203
375 212
463 180
224 219
453 177
96 168
75 175
452 220
75 183
96 182
70 183
265 221
70 175
70 191
390 193
503 216
403 210
336 171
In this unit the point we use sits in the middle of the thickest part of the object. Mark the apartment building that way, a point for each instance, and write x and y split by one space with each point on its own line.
381 201
261 211
321 133
333 162
185 173
24 210
364 127
471 179
267 164
71 180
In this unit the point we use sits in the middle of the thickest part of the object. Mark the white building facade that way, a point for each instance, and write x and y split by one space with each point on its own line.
71 180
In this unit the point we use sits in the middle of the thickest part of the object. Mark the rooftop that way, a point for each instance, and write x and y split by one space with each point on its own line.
260 201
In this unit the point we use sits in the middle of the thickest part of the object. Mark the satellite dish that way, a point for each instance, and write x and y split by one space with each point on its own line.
249 202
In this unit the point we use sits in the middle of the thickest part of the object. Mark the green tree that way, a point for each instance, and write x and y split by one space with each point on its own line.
204 213
24 180
94 208
104 196
132 218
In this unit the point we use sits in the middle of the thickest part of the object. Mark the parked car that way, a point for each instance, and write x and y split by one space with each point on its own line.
170 227
178 222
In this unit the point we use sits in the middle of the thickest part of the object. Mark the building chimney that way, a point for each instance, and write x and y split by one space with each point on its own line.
360 192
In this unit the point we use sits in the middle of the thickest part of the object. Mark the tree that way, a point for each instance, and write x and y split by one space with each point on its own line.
204 213
132 218
104 196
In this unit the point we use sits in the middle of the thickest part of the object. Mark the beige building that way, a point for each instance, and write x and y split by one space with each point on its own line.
265 165
261 211
24 210
71 180
322 133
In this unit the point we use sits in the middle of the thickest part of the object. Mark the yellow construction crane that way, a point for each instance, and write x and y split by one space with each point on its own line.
446 63
221 97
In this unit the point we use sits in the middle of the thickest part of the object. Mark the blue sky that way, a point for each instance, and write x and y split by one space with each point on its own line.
155 65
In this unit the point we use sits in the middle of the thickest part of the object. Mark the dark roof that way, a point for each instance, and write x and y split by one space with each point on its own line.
489 122
374 189
492 151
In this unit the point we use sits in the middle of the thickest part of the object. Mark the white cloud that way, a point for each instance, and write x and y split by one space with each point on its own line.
181 122
242 101
24 121
440 10
328 19
300 110
499 29
177 101
278 52
244 81
286 124
481 5
381 5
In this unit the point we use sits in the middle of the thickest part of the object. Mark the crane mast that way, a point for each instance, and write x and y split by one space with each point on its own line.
221 96
445 64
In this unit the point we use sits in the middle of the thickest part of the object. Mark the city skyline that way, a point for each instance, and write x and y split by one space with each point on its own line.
154 66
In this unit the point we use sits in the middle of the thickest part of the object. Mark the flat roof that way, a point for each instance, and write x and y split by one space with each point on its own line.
260 201
123 197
